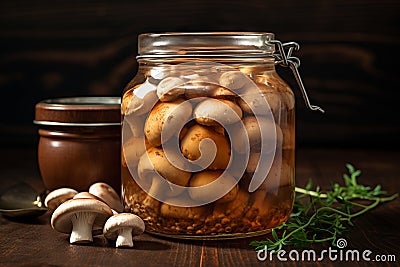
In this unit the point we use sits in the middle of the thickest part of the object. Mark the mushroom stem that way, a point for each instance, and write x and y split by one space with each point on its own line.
82 223
124 238
154 190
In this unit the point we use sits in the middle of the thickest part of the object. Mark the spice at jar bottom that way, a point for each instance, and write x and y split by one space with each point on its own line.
208 136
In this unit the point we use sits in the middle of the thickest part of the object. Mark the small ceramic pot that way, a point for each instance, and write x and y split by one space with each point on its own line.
80 142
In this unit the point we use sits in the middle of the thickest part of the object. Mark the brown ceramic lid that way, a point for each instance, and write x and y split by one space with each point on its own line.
99 111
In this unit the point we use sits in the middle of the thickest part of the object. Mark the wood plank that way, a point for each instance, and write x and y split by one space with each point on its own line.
33 243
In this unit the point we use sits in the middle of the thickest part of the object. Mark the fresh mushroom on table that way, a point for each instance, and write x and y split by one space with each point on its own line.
122 227
86 195
58 196
79 218
107 194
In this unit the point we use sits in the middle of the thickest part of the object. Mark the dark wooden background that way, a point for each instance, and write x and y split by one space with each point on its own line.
349 53
348 50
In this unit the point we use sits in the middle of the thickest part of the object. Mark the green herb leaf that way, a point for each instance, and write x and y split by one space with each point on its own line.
325 217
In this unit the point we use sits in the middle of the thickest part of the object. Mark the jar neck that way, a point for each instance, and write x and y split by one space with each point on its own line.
264 63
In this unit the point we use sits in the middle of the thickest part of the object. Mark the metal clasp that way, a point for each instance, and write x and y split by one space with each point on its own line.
284 58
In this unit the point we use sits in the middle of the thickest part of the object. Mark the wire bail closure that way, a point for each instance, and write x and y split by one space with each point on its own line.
286 59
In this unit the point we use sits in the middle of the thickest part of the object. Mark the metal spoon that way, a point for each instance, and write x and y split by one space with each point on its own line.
21 200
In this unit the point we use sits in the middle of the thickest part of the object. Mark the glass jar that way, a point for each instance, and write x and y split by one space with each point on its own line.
208 135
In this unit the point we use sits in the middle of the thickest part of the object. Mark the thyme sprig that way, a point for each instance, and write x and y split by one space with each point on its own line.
320 217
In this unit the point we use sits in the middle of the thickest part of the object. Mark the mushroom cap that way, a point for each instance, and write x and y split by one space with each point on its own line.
142 99
221 92
275 83
61 218
170 89
166 117
132 149
155 160
223 189
253 129
126 99
123 220
230 196
107 194
86 195
58 196
190 147
217 111
197 90
260 132
194 89
233 80
253 100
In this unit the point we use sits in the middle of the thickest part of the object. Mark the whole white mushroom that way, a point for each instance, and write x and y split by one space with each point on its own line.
107 194
80 217
58 196
122 227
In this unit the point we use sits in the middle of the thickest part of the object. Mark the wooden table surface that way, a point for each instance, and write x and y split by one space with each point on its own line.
34 243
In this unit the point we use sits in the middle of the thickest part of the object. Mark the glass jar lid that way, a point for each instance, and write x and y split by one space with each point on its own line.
186 44
79 111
